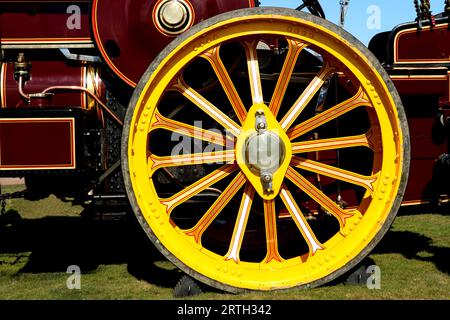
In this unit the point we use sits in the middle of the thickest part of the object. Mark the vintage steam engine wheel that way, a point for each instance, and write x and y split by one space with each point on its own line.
268 215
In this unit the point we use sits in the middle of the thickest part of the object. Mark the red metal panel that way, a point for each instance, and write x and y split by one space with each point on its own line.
31 144
422 85
427 46
426 146
43 22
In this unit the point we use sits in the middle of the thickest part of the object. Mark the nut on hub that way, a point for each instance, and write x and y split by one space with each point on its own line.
263 151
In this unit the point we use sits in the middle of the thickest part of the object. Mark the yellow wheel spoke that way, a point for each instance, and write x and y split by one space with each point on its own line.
155 162
191 131
313 244
366 182
213 226
217 207
333 143
271 232
360 99
206 106
295 47
306 97
241 223
197 187
253 71
318 196
222 74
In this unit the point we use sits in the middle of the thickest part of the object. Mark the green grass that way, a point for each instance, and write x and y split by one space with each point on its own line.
118 261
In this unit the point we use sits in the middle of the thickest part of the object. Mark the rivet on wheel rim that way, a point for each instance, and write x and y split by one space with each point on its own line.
319 101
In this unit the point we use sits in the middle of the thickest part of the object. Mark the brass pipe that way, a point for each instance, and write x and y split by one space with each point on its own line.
76 88
23 94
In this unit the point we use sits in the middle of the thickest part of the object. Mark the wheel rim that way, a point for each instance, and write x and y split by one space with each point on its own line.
359 227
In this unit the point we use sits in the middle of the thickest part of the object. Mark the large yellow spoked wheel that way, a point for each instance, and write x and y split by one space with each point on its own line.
265 149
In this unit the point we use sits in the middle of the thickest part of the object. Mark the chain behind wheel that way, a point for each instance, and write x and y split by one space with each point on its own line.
257 218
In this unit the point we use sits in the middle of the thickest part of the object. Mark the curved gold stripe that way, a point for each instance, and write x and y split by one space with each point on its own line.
360 99
332 144
313 244
197 187
318 196
366 182
295 48
206 106
214 59
102 49
271 232
253 71
155 162
241 223
217 207
3 84
307 95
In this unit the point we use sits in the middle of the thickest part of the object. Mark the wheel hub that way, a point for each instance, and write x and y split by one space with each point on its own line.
264 151
247 237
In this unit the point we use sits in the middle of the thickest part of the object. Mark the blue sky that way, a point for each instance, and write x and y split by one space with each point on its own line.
392 12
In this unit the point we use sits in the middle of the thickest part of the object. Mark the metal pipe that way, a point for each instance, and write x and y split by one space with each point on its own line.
23 94
97 99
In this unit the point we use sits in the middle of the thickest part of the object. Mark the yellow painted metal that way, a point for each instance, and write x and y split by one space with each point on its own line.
248 130
358 228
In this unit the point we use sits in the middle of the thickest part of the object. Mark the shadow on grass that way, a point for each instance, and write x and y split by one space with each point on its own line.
415 246
58 242
424 209
409 244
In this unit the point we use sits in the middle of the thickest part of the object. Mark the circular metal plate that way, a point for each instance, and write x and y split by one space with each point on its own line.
264 152
129 36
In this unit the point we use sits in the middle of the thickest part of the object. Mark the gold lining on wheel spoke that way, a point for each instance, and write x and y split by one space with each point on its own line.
196 98
313 244
155 162
214 59
366 182
253 71
241 223
307 95
318 196
360 99
295 48
217 207
197 187
363 140
270 219
212 137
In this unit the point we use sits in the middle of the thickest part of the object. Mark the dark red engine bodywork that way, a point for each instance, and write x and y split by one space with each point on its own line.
132 35
127 40
33 23
418 62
